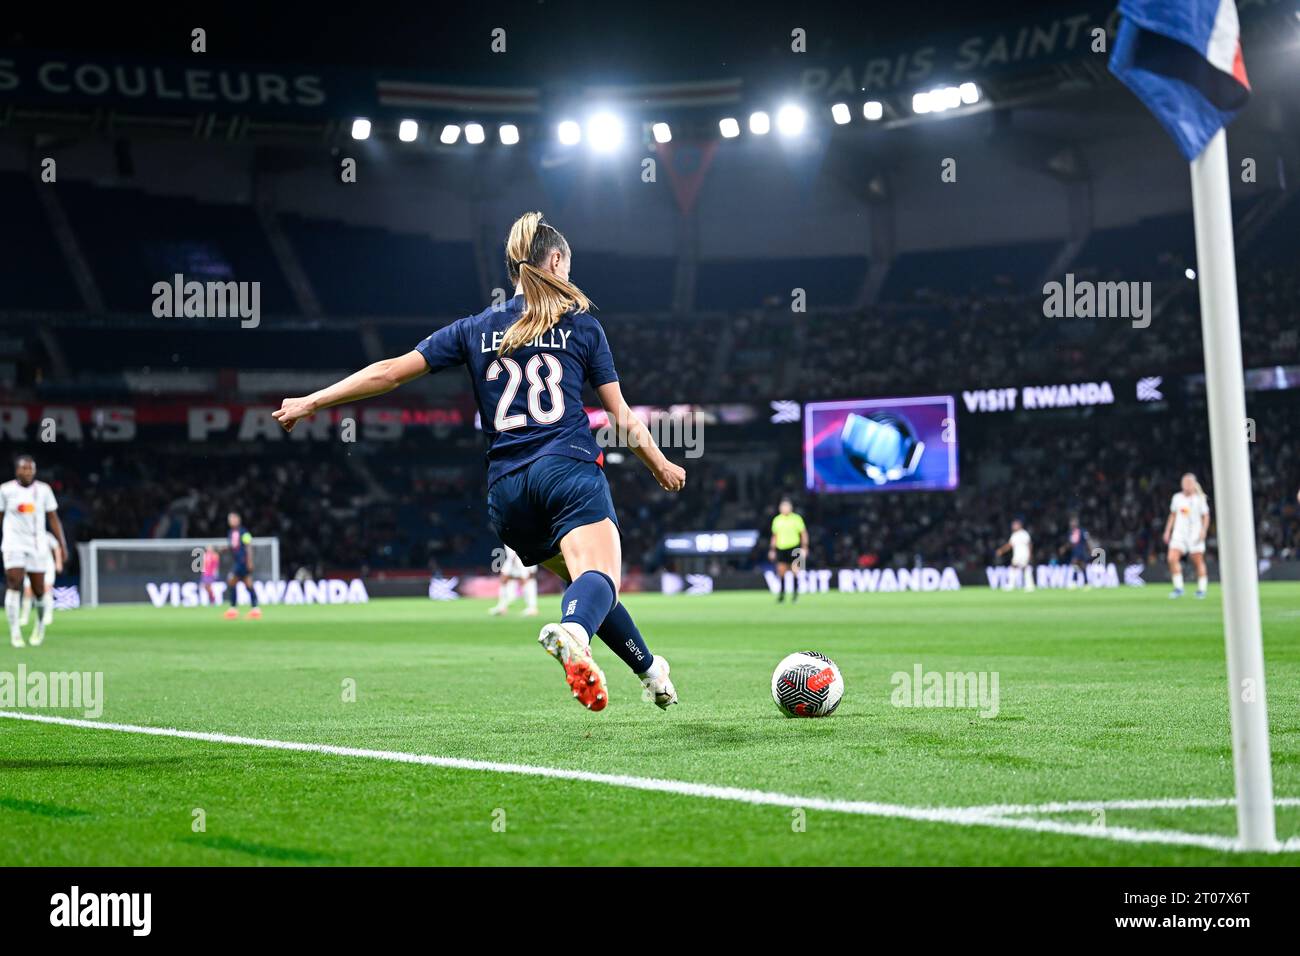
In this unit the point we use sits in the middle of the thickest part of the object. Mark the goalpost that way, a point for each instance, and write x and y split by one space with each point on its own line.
120 570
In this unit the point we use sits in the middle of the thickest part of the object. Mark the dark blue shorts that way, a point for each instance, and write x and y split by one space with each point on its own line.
533 508
240 571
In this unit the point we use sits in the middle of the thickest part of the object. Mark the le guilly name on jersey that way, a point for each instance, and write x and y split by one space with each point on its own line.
554 339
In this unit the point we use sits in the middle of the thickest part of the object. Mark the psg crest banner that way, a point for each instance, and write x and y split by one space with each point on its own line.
687 164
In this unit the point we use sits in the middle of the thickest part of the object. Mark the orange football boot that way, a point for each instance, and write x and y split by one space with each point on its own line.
581 671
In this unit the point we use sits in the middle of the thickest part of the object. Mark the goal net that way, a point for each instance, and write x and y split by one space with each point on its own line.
127 570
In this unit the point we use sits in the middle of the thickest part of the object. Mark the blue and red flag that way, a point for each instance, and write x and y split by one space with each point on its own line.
1183 60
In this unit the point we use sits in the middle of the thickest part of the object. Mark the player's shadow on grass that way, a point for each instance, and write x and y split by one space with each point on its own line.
90 763
705 735
700 735
265 851
51 810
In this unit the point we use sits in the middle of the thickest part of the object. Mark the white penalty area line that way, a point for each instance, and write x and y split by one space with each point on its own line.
1002 816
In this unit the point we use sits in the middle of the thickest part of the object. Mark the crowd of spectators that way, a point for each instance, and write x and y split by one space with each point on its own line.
1116 473
419 503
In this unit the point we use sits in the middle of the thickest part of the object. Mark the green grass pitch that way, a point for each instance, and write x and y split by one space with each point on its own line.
1103 695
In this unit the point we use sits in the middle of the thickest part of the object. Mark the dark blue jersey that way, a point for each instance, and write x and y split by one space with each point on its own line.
530 401
239 542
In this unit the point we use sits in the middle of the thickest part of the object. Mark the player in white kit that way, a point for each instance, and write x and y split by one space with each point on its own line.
28 505
1021 547
1185 533
513 574
53 568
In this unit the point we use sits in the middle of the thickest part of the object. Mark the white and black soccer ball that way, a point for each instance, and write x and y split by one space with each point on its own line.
807 684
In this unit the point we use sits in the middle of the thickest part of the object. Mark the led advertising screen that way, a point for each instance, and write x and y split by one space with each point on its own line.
881 444
712 542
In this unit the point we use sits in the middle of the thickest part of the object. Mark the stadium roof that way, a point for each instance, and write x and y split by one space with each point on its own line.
547 38
687 63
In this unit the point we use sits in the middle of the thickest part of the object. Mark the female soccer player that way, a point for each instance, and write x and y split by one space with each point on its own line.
516 574
53 568
1021 547
1077 544
211 572
547 494
28 507
1185 532
240 545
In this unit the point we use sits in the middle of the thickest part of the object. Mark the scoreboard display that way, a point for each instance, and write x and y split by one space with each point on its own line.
711 542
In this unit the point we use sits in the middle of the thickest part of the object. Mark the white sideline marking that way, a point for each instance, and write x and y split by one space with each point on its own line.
1004 816
1162 803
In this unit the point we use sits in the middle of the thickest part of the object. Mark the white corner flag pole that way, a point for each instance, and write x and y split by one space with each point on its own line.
1226 398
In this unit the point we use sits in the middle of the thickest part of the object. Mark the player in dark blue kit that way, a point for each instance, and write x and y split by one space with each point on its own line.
240 545
548 499
1077 544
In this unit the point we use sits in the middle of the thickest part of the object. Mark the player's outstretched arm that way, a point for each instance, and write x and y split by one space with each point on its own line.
372 380
670 477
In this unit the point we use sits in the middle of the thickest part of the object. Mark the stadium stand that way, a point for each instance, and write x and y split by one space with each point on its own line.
945 320
1015 268
730 284
33 274
134 239
360 270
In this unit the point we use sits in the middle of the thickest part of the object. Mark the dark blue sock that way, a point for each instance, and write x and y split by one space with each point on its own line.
234 593
620 633
588 600
252 593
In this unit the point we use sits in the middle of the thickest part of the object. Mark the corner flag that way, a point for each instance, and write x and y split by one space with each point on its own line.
1183 60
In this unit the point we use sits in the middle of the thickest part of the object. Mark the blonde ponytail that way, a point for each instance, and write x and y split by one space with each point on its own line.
547 297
